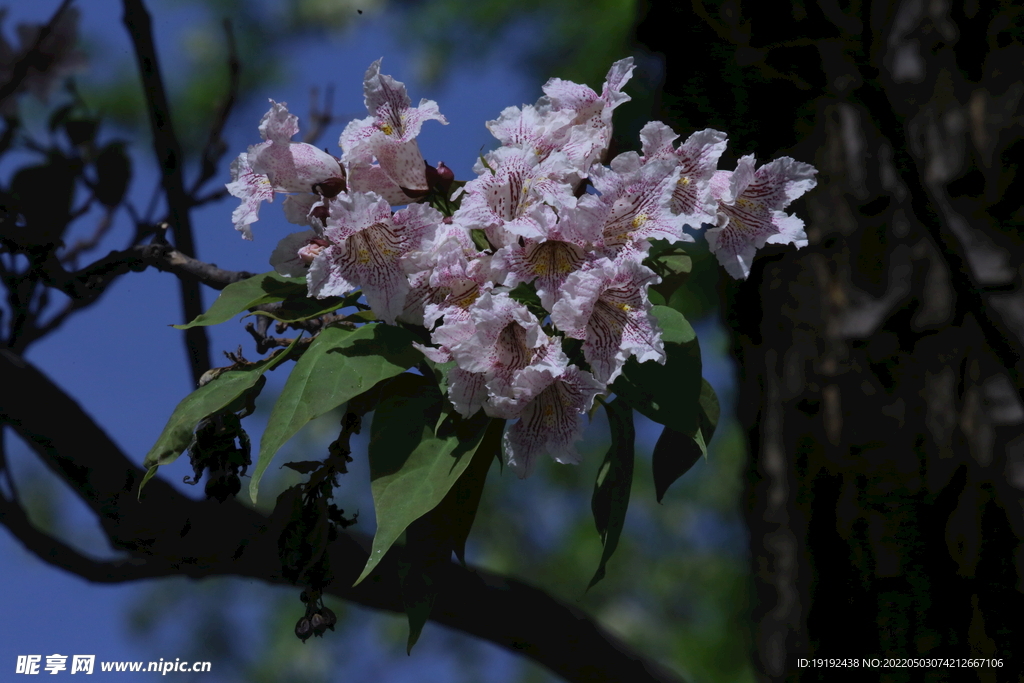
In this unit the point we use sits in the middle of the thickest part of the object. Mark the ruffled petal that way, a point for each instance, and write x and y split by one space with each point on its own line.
551 422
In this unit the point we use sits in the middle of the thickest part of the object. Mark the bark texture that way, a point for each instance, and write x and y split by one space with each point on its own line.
881 365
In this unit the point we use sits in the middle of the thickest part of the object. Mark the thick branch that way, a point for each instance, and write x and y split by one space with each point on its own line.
168 530
168 153
59 554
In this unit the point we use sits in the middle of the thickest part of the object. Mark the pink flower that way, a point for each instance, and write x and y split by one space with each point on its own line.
698 161
636 199
592 124
506 345
606 305
367 244
388 135
750 212
279 165
550 423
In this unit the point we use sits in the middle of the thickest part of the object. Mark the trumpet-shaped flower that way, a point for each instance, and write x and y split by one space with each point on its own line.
551 422
506 339
389 133
750 204
538 130
592 124
522 197
636 200
367 243
698 161
280 165
606 306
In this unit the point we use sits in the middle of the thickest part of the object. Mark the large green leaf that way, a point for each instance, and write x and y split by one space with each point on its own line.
681 446
667 394
265 288
614 480
217 395
337 366
417 452
430 540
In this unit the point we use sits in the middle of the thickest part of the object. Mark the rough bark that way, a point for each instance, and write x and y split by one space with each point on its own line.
880 366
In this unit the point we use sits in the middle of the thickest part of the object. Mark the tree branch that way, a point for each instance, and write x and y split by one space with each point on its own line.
215 146
168 153
25 62
59 554
174 534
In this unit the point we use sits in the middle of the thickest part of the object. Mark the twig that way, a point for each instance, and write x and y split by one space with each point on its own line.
319 117
85 286
25 62
57 553
168 153
70 256
215 147
91 280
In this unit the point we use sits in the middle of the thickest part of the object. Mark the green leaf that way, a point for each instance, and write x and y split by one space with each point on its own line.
710 410
227 390
678 450
614 480
674 454
480 239
337 366
431 539
419 591
677 263
266 288
417 452
666 393
296 309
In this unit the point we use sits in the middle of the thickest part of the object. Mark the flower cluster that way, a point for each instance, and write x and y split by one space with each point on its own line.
543 216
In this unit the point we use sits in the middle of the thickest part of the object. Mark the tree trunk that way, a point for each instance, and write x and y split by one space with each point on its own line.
881 365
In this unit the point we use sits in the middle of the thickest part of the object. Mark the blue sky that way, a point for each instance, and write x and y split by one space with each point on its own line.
126 366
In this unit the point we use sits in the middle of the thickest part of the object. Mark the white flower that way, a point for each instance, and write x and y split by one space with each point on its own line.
698 161
367 244
505 340
280 165
388 135
591 131
550 423
636 200
750 212
606 305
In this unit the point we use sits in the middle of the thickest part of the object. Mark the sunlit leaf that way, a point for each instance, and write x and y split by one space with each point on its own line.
417 452
223 392
266 288
337 366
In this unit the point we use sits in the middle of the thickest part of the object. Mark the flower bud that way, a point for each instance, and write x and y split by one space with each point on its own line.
329 188
303 629
312 249
321 212
440 179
